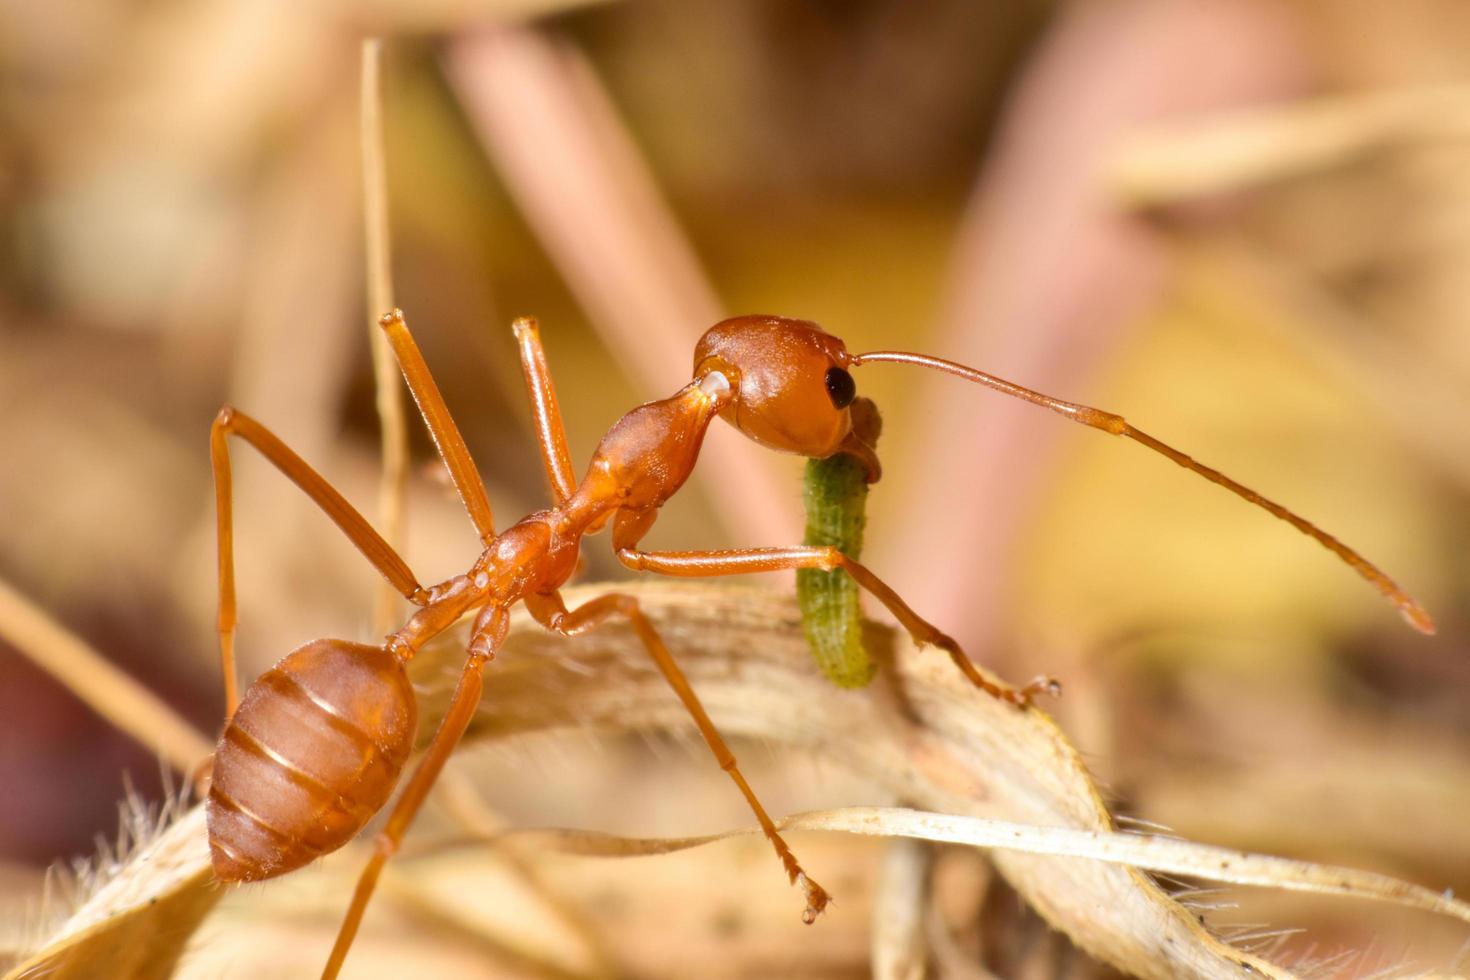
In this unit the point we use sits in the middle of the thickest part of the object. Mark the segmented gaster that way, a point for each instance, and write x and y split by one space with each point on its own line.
313 751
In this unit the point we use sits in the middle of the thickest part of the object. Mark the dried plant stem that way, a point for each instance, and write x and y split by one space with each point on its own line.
900 951
107 690
392 419
1166 855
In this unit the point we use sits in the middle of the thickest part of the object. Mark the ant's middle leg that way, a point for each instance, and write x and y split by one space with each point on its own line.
233 422
700 564
551 612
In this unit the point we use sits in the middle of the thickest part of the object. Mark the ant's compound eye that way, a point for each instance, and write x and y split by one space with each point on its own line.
841 387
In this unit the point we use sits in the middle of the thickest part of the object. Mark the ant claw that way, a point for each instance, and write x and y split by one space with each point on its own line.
1021 697
816 898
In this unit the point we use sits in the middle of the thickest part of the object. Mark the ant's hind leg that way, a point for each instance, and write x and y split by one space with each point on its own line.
233 422
488 632
701 564
552 613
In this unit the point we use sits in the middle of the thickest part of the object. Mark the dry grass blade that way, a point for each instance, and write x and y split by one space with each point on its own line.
378 254
920 731
1167 855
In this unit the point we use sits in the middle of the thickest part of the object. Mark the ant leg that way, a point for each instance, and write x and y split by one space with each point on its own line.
700 564
487 635
551 612
445 433
550 432
233 422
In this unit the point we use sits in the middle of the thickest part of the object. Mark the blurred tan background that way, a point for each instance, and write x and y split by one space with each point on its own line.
1243 224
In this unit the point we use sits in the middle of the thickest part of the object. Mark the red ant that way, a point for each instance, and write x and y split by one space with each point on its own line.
316 745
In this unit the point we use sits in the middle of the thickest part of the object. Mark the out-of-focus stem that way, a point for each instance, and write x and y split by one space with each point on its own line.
114 695
379 259
1238 149
900 951
575 171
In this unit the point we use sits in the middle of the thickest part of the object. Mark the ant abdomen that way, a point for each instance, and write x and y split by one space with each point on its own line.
312 752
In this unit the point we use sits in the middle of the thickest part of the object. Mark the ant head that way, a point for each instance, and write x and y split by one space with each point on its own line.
791 388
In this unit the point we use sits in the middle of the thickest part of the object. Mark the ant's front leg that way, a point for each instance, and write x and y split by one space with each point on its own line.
545 412
701 564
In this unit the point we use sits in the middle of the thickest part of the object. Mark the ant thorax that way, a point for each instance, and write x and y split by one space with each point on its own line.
647 455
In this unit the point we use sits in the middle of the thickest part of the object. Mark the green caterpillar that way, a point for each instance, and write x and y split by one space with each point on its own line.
835 493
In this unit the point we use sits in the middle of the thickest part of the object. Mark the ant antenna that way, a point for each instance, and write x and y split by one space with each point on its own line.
1414 613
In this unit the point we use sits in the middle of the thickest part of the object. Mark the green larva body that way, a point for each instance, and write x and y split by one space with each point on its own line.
835 492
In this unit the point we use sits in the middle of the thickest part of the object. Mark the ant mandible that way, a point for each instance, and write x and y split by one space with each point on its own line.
316 745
